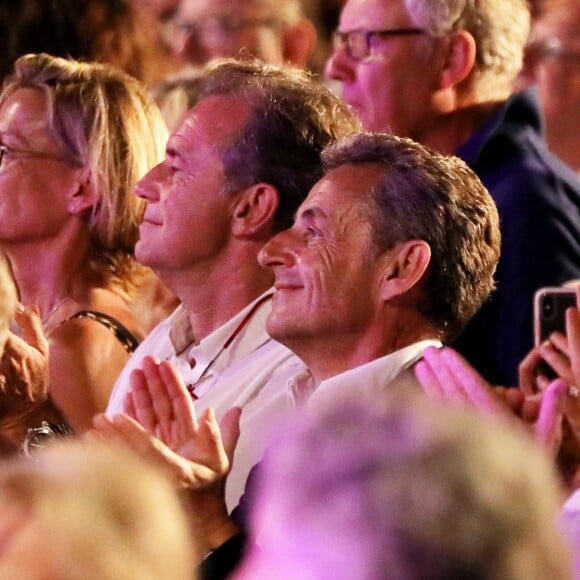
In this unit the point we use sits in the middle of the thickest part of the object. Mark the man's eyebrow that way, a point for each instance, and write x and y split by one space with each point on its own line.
171 152
313 213
15 136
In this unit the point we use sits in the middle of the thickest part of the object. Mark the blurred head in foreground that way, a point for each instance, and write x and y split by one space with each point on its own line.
88 511
405 491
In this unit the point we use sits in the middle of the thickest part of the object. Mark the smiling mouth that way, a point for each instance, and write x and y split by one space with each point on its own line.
149 221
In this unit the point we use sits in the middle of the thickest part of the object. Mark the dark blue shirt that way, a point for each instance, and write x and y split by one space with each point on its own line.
538 199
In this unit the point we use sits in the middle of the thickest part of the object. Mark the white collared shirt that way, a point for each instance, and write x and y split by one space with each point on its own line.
366 381
238 377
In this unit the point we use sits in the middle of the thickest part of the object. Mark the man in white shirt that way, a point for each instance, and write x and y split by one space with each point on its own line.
393 250
235 171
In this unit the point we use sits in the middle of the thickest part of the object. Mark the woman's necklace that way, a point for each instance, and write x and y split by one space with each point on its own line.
50 314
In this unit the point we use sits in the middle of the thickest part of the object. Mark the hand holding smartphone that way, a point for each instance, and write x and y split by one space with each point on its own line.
550 305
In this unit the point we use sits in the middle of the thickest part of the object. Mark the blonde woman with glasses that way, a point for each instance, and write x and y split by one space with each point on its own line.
74 138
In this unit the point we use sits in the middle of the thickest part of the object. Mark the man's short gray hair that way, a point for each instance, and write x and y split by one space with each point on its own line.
423 195
500 29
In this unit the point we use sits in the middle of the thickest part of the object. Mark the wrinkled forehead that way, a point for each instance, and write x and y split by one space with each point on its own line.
374 14
346 190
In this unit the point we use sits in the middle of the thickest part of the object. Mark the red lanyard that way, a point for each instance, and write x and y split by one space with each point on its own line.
243 323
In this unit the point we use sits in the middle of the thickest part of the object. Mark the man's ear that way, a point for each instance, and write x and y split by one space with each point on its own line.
254 210
299 43
459 60
82 194
405 266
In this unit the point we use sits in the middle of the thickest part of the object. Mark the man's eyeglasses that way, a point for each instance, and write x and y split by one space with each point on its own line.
7 152
358 42
539 50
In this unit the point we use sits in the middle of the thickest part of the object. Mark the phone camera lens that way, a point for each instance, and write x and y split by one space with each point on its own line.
548 307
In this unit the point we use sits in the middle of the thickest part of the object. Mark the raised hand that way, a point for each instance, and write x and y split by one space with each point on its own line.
160 424
562 353
24 368
445 374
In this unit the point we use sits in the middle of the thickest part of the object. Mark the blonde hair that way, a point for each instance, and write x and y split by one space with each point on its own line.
106 121
176 96
102 513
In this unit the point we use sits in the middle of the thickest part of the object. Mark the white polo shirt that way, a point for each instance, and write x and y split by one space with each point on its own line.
238 365
365 381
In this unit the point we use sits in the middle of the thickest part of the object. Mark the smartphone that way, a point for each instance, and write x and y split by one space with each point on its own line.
550 305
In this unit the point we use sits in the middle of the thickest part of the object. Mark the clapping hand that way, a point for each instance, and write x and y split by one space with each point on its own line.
160 424
445 374
24 366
